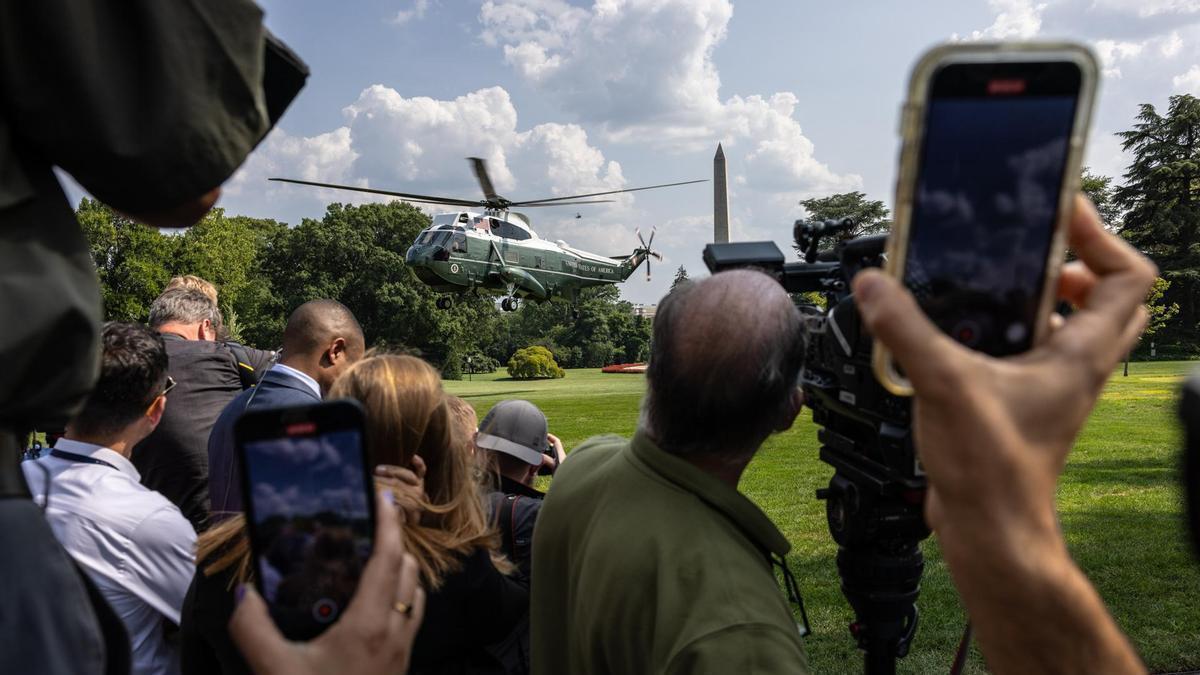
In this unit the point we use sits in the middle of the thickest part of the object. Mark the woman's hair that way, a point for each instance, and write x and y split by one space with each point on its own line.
407 413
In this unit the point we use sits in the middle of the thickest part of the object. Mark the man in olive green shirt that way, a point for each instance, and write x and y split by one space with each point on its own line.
646 558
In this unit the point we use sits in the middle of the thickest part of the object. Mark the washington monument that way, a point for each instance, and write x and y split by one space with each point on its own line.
720 199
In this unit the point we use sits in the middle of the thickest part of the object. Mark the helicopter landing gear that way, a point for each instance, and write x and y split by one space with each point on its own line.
510 304
444 303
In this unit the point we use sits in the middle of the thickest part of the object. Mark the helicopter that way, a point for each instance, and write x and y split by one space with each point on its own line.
486 246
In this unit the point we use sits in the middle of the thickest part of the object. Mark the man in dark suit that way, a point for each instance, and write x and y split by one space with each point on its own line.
173 460
322 339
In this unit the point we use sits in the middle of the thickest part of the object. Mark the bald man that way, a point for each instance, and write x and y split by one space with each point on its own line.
646 558
322 339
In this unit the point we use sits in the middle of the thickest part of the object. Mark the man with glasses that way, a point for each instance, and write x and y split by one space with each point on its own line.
133 543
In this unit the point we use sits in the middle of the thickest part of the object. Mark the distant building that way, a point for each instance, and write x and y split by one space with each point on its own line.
645 311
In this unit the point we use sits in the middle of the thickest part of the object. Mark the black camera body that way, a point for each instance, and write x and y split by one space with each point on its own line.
874 502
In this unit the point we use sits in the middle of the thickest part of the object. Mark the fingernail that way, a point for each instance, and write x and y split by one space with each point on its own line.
389 497
239 593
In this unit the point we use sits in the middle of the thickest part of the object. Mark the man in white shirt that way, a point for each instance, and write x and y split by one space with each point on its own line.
135 545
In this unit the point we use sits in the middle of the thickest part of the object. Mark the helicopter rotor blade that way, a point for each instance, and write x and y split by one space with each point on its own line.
428 199
485 181
592 201
638 232
609 192
653 231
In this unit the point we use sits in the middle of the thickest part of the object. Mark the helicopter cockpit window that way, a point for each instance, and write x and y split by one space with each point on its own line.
446 219
458 243
425 238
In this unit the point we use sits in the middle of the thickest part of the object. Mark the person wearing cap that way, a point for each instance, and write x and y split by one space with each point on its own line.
519 442
516 443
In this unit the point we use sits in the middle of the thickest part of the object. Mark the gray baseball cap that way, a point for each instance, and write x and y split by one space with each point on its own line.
515 428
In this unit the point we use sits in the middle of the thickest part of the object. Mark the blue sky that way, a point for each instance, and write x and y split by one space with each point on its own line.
564 98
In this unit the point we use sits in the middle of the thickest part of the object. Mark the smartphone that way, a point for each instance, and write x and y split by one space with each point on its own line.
310 509
992 140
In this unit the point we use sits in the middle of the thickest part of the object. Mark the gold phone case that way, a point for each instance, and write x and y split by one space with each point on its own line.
912 119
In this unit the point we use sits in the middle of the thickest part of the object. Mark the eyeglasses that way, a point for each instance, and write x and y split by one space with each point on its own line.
170 385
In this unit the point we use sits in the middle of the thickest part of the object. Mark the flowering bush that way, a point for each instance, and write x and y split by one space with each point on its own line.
624 368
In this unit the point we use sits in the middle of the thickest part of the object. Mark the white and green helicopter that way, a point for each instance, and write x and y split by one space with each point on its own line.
487 246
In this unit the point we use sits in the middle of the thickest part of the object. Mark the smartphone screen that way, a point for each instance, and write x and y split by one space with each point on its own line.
309 509
986 200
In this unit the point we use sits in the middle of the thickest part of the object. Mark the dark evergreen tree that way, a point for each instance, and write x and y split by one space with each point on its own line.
1162 210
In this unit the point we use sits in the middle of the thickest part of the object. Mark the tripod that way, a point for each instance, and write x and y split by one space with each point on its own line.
878 526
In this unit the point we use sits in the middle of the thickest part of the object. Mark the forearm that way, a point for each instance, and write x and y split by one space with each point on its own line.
1032 608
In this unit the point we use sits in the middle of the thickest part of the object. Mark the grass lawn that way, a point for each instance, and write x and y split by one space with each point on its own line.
1120 506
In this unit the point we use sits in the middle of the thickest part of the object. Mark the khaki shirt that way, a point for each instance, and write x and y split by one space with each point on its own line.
643 563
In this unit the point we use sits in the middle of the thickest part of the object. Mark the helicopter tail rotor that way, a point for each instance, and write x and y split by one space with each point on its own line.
646 250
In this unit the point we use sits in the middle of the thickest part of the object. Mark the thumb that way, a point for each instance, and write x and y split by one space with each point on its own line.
893 317
255 634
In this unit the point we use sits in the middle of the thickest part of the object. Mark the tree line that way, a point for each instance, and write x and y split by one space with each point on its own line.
353 254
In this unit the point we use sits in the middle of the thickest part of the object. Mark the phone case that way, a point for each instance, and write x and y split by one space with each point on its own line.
911 133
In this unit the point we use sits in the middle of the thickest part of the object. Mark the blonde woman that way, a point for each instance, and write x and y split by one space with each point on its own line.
471 604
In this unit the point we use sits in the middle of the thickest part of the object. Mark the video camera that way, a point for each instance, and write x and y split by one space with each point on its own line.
874 501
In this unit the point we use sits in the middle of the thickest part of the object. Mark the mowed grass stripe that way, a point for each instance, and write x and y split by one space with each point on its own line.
1119 500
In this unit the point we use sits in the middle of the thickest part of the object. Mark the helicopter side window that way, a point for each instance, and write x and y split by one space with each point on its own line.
510 231
425 238
458 243
439 238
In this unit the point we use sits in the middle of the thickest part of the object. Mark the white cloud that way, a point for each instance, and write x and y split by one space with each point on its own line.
1171 45
1188 82
1149 8
1015 20
415 12
642 72
419 145
1112 53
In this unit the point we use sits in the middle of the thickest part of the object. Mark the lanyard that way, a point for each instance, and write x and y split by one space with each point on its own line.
73 457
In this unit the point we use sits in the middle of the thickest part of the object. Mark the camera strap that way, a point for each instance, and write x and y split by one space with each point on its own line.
793 590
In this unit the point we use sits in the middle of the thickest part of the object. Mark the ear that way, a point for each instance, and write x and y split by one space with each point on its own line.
336 351
791 408
205 331
155 412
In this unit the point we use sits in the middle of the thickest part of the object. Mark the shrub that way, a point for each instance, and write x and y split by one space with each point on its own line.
533 363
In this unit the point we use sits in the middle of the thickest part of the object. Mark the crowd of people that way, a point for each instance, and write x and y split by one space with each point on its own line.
125 550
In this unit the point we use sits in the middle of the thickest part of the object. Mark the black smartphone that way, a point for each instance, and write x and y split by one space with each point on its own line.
993 137
310 509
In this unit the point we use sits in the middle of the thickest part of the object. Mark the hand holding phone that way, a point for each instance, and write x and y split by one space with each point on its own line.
309 509
374 636
992 144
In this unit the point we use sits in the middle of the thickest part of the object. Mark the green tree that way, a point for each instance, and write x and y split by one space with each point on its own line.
681 278
1162 212
229 252
1100 190
1160 311
870 217
131 260
533 363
